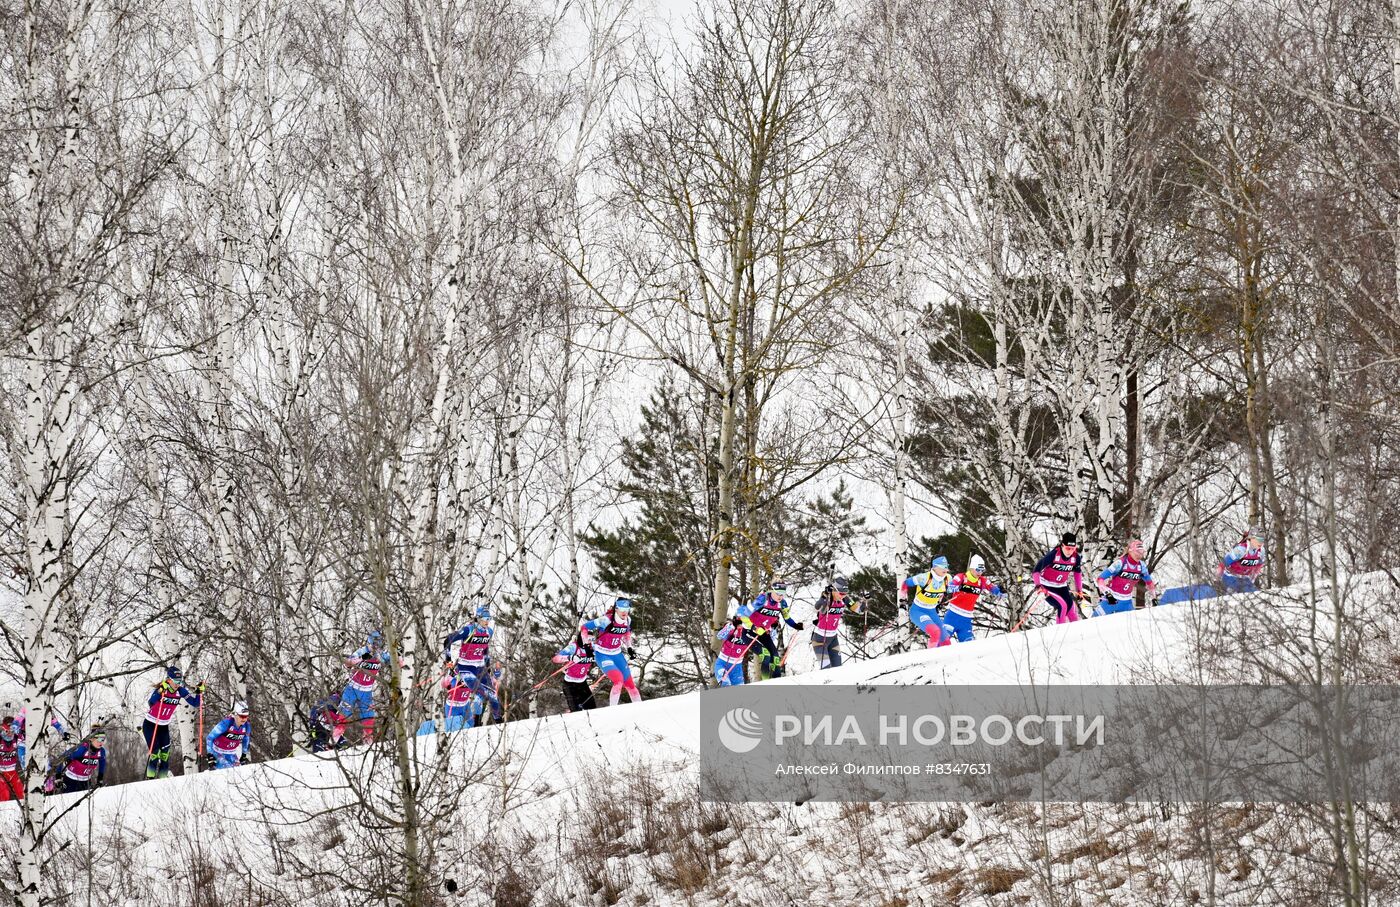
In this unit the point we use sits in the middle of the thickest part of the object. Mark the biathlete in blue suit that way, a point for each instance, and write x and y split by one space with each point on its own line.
612 635
228 742
474 657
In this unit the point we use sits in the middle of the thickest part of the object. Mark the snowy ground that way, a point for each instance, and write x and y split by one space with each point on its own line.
600 808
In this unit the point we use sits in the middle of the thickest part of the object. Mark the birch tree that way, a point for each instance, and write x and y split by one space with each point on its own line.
86 155
739 233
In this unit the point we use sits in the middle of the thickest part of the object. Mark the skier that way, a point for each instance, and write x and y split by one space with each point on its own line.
85 765
966 589
831 608
357 699
1243 564
927 591
155 730
1118 584
463 708
228 742
729 663
762 615
1052 576
577 657
473 656
11 759
326 724
612 634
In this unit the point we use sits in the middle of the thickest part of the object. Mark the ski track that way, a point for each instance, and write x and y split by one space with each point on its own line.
548 756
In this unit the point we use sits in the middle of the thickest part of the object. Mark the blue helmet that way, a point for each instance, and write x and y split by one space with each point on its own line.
622 604
483 613
374 639
174 673
939 562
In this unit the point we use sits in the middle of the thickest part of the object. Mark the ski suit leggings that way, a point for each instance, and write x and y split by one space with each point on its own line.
226 760
928 621
828 655
357 704
74 786
1233 585
1060 597
729 673
616 662
579 695
767 648
457 717
1110 605
960 624
157 740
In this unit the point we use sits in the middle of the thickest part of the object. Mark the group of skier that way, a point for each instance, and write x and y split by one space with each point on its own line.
754 628
12 752
604 642
942 604
941 607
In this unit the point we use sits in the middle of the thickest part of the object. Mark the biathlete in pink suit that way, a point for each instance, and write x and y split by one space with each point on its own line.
577 659
161 706
831 610
729 663
474 657
1243 564
357 699
1118 584
612 634
1053 575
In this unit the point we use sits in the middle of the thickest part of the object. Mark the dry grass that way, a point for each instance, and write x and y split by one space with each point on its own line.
997 879
1099 848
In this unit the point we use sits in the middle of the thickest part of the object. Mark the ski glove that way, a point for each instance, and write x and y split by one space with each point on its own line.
799 625
243 759
737 621
631 652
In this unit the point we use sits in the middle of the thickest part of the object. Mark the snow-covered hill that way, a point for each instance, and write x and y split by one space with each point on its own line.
600 807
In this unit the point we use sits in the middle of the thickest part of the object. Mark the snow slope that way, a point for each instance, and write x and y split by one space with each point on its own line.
555 789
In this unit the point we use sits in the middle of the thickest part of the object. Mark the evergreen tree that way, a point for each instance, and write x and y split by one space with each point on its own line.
661 555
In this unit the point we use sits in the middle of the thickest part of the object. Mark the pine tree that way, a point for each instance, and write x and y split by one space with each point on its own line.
662 556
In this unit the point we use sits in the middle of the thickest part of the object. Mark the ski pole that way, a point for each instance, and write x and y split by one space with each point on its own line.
150 750
547 679
1030 606
438 679
788 651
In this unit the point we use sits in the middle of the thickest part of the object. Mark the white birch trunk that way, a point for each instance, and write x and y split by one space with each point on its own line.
48 431
51 396
900 492
427 513
1395 82
227 45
